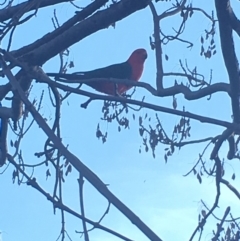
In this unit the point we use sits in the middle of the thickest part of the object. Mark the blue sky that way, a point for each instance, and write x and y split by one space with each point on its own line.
157 192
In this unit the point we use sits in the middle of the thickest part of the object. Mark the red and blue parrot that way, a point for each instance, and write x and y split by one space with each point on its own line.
131 69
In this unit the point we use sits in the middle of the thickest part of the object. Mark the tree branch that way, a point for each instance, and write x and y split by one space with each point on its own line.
42 77
223 8
100 20
87 11
170 91
10 12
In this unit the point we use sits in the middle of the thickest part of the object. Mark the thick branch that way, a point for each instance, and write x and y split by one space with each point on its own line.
100 20
41 77
87 11
171 91
158 48
223 11
10 12
219 143
235 22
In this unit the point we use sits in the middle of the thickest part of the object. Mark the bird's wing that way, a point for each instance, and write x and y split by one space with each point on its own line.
118 71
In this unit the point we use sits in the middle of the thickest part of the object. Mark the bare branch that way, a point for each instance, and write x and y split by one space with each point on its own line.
10 12
40 76
91 8
80 184
100 20
229 55
231 187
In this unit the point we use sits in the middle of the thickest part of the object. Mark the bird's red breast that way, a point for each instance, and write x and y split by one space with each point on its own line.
136 60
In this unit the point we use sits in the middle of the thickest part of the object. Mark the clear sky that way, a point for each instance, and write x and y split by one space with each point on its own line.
157 192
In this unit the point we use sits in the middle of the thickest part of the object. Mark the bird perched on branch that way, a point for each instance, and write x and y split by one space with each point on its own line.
131 69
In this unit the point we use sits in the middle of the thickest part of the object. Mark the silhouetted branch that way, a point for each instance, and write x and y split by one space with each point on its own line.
220 225
231 187
225 135
10 12
218 180
235 22
100 20
229 55
87 11
171 91
80 184
41 77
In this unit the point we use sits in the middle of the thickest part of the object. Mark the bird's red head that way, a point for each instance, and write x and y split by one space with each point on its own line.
136 60
138 56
